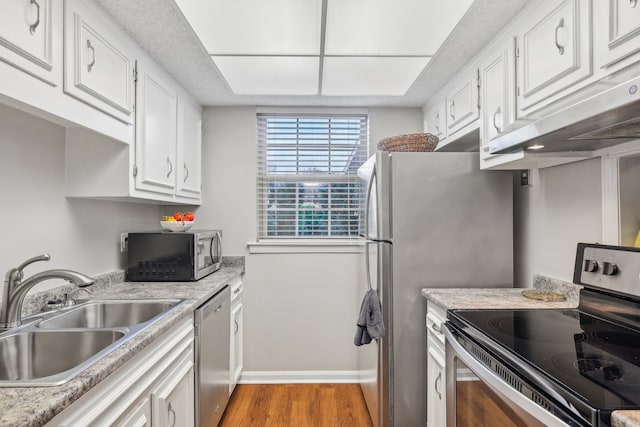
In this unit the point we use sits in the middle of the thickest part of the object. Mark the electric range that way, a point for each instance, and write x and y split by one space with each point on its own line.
573 366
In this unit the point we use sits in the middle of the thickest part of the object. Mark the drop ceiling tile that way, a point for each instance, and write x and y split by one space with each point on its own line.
385 27
365 76
270 75
256 27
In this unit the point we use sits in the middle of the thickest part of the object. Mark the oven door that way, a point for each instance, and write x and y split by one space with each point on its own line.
476 395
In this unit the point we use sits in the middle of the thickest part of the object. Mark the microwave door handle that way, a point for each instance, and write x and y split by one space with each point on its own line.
218 239
367 203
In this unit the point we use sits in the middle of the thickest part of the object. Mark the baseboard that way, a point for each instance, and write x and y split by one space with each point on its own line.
299 377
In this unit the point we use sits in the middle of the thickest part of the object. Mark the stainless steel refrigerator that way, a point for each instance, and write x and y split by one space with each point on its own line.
432 220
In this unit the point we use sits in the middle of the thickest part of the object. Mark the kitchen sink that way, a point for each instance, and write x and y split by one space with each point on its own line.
53 347
33 357
109 314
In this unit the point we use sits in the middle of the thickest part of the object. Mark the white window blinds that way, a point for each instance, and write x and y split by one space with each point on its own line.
307 175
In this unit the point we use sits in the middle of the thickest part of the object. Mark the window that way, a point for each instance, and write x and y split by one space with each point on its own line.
308 185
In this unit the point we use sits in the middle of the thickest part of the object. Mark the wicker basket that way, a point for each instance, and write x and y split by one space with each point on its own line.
411 142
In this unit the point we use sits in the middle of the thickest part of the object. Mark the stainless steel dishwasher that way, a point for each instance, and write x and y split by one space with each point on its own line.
212 330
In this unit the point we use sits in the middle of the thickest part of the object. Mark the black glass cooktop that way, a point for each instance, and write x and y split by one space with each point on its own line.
595 360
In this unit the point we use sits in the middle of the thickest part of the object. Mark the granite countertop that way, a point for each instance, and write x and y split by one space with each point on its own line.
35 406
509 298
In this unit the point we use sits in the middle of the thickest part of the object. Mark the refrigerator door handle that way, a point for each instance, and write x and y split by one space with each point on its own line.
367 204
368 262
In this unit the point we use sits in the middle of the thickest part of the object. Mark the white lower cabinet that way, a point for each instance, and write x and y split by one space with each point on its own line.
236 345
436 373
155 388
138 416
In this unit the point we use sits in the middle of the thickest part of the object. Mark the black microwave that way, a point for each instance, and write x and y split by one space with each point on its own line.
166 256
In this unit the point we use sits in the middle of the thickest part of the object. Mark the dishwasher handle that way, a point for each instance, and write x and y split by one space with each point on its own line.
215 304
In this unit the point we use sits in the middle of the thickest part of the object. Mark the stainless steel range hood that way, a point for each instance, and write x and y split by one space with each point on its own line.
608 118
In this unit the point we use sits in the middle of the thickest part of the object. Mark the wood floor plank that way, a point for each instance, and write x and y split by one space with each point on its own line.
296 405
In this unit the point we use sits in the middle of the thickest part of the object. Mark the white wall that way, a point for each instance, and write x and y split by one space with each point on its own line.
80 234
562 207
300 309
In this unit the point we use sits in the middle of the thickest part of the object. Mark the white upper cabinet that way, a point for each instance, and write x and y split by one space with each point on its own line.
435 121
554 51
189 148
28 37
497 93
462 103
619 38
156 132
99 62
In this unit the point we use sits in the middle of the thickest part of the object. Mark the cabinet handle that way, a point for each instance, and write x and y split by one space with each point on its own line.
32 27
435 385
452 110
237 327
170 167
436 121
236 291
186 173
436 328
495 116
558 28
633 3
93 56
218 308
172 414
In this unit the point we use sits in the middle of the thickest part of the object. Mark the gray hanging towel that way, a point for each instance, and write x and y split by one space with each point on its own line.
370 324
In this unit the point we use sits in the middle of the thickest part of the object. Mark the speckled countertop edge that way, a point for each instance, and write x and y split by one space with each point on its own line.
35 406
503 298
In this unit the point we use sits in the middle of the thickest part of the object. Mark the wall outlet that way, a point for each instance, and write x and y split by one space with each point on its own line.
124 238
525 177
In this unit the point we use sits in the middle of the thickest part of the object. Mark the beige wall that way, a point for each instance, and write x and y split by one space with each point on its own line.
562 207
80 234
300 309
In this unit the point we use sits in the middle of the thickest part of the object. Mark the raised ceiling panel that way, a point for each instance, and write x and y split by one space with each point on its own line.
384 27
270 75
256 27
370 76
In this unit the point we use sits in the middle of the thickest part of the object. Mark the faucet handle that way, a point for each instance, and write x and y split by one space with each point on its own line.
16 273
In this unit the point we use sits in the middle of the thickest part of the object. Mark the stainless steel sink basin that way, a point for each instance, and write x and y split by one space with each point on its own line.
52 348
33 357
109 314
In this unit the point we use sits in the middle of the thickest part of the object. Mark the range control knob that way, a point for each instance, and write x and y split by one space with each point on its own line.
590 266
609 269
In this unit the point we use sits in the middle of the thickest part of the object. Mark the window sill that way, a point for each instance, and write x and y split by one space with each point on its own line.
305 246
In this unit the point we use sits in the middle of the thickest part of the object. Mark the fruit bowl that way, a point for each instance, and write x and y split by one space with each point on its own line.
176 225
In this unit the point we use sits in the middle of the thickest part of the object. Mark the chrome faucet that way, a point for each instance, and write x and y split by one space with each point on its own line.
15 289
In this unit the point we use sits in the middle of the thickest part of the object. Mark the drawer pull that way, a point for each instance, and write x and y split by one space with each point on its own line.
32 27
495 116
436 328
93 56
172 415
558 28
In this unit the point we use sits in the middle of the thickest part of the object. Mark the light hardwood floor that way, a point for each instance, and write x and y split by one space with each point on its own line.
296 405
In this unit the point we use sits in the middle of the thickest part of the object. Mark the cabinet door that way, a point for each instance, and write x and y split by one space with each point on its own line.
189 150
99 62
554 51
622 27
436 121
156 115
436 399
236 356
497 77
462 104
29 39
138 416
173 400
